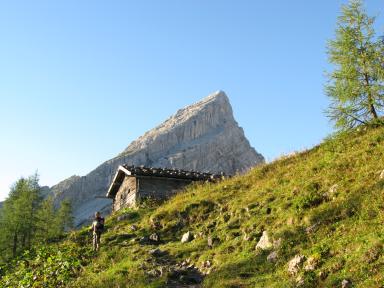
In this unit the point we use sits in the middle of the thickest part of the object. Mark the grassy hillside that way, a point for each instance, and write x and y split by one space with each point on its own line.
326 204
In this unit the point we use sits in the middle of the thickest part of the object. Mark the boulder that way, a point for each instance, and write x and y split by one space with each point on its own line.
295 263
187 237
346 283
264 242
154 237
156 252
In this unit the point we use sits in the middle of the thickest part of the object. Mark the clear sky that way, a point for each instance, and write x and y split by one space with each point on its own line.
79 80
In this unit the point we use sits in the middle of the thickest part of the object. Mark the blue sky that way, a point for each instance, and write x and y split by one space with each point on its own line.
79 80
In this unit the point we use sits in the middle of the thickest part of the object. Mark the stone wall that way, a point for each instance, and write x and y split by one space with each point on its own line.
126 196
160 188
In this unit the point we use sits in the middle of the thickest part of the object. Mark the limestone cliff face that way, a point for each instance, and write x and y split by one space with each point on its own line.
202 137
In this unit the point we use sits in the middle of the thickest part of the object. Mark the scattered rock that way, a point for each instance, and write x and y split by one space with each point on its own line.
156 252
133 227
272 257
295 263
311 264
207 264
187 237
346 283
154 237
184 273
264 243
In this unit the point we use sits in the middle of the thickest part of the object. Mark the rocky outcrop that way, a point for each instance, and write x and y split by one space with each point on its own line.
202 137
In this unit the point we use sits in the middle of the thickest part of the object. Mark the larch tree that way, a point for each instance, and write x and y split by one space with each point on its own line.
356 85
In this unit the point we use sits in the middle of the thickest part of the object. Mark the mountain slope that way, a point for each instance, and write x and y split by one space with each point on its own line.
203 136
321 209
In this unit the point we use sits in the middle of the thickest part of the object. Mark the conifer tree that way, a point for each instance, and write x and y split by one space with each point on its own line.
356 85
18 217
64 216
27 220
47 228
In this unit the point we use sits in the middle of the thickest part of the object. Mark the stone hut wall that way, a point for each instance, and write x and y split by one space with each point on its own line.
160 188
126 196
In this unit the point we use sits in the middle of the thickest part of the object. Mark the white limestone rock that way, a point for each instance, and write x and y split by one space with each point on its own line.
187 237
295 264
201 137
264 242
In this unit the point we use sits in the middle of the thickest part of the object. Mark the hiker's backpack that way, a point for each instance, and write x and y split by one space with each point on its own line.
99 227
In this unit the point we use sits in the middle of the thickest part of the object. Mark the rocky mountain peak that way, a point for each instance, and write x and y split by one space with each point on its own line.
202 137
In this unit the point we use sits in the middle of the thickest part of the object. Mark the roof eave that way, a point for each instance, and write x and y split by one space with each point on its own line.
114 187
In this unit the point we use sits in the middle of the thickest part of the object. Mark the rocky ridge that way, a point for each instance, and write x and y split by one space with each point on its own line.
201 137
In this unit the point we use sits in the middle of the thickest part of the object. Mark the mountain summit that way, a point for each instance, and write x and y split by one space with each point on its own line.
202 137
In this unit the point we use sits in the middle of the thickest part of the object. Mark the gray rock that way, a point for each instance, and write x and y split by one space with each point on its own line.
264 242
201 137
156 252
346 283
133 227
154 237
295 263
187 237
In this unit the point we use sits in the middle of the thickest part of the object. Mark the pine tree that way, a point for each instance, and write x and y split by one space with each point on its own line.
356 85
47 228
18 217
27 220
64 216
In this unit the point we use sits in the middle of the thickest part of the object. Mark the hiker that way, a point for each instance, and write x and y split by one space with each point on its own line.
97 228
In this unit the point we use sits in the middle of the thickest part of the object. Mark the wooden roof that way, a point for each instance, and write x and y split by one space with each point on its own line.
141 171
